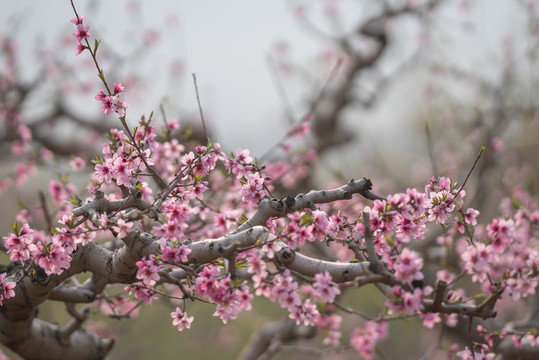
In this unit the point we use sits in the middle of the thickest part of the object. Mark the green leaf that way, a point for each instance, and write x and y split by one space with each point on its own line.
209 147
241 264
96 45
97 160
21 203
127 141
16 227
478 296
187 133
444 227
390 241
162 218
306 219
166 133
64 178
198 178
243 219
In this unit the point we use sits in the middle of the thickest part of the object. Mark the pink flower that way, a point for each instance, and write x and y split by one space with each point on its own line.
168 253
60 192
113 103
256 265
412 301
471 216
173 253
22 172
364 340
77 163
51 256
306 314
122 171
476 260
118 88
148 271
321 219
429 319
80 49
173 124
77 20
81 33
122 228
142 292
497 144
20 246
6 288
183 252
253 189
467 354
240 164
300 131
181 320
439 205
100 95
119 305
407 266
119 105
104 171
325 289
501 231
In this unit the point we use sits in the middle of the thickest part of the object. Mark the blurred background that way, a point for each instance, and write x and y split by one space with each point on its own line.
396 91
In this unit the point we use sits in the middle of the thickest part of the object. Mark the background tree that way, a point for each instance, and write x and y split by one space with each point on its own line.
186 222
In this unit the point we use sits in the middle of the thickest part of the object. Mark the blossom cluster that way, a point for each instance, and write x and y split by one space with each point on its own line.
81 33
506 254
120 162
181 319
6 288
51 253
230 299
114 102
364 339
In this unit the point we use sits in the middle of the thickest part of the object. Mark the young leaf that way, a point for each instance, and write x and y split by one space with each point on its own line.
96 45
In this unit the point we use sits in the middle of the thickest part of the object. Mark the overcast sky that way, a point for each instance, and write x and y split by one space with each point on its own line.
227 44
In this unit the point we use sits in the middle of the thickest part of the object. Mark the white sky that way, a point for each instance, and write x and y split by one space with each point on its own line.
226 43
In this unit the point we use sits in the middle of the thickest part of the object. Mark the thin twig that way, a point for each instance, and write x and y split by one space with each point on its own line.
430 149
312 109
281 90
468 176
45 211
99 70
200 107
470 318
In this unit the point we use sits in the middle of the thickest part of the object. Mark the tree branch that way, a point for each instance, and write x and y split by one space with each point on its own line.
268 208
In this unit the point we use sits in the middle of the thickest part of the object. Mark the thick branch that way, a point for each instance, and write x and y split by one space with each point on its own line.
100 204
275 333
268 208
340 272
41 341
